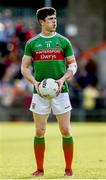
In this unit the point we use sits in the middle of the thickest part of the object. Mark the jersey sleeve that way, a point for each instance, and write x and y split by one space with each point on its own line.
68 51
28 50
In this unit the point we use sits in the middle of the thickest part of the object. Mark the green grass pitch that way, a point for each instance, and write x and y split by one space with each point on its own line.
17 158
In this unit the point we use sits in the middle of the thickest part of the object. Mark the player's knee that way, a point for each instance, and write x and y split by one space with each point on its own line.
40 132
65 131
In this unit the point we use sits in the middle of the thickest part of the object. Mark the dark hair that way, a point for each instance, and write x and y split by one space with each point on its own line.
42 13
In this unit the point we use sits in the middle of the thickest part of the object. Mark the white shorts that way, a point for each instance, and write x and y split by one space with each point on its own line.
58 105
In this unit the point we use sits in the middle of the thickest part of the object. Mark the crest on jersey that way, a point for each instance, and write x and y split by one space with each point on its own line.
33 105
57 45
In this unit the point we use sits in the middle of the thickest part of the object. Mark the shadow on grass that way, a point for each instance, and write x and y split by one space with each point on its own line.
29 177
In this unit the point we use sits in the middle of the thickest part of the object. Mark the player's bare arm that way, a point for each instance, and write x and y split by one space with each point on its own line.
71 70
26 71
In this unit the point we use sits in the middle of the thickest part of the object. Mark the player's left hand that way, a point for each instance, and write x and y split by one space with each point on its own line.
60 84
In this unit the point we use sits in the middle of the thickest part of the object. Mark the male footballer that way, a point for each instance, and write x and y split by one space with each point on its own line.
51 56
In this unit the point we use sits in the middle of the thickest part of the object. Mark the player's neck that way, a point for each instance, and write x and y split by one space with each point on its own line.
46 33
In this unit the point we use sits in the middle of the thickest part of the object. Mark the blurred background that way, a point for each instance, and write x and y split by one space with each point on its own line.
84 23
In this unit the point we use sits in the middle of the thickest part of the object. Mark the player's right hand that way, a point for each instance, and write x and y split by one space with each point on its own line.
37 87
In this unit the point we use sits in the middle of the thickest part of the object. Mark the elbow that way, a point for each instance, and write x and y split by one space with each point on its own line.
76 67
22 70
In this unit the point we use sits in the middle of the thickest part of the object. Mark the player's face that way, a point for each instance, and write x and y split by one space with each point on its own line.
50 23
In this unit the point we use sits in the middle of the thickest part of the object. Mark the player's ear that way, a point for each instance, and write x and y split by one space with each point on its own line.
41 21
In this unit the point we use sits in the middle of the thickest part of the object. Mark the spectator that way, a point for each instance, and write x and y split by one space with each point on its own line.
87 73
90 94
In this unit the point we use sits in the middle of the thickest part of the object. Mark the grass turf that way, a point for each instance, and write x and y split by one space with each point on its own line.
17 158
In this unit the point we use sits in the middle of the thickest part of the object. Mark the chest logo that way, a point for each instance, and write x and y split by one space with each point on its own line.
57 45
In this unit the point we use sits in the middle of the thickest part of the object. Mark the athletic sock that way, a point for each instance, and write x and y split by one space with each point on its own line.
39 150
68 151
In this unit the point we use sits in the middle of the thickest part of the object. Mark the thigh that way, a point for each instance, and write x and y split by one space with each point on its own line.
64 120
40 120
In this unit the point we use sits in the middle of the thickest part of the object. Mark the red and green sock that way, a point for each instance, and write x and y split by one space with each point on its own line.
39 150
68 151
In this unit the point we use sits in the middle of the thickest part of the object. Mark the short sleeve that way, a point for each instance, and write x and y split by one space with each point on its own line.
68 51
28 50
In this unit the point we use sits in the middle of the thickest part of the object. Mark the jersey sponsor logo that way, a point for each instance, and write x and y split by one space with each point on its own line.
48 54
44 51
47 57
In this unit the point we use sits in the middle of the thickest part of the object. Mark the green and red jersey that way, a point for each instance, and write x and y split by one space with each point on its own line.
48 56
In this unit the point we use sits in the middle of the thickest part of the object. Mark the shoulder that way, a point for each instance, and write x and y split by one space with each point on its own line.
64 41
62 38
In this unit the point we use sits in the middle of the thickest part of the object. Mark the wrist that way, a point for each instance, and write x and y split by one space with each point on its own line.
34 83
63 78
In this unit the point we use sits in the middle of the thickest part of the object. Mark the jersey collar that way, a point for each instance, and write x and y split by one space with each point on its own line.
47 36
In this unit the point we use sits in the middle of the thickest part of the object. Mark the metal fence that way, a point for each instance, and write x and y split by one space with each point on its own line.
79 114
